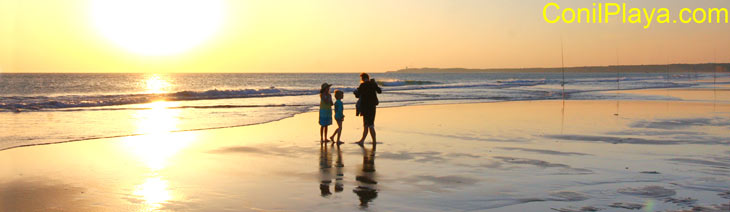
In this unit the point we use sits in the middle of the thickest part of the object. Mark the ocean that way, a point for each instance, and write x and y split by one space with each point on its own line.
51 108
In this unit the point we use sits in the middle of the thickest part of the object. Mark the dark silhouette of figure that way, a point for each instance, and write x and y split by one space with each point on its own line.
325 111
339 116
367 189
367 94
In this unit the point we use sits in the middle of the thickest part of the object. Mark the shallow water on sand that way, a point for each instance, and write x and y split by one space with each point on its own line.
50 108
507 156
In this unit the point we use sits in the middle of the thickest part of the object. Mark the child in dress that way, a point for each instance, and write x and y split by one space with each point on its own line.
325 111
339 116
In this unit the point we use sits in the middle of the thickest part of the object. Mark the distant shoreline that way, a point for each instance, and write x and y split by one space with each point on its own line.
671 68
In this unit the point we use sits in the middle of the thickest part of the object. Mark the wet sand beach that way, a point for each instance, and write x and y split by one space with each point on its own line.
549 155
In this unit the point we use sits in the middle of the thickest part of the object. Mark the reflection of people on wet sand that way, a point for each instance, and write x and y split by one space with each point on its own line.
325 170
339 170
367 93
367 185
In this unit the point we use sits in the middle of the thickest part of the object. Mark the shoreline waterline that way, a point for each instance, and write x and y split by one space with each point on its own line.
89 106
645 90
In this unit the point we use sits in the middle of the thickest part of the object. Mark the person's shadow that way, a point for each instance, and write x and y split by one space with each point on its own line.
367 189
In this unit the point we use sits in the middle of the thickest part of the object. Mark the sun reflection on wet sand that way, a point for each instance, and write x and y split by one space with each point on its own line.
157 144
154 192
156 148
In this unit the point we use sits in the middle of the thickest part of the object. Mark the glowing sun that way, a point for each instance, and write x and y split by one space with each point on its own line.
157 27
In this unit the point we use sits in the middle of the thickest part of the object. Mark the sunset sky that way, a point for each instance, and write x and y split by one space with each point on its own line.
338 36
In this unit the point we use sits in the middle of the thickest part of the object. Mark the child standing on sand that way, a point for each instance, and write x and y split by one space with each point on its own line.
325 111
339 116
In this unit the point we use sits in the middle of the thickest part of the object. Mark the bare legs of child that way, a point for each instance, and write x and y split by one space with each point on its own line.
323 134
337 132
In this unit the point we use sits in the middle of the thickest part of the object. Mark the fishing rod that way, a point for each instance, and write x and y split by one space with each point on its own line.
562 85
562 64
618 82
714 70
618 72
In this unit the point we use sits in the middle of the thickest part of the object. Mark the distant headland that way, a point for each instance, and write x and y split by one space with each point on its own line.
672 68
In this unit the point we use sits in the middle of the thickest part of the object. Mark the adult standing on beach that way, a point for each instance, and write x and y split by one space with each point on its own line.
367 92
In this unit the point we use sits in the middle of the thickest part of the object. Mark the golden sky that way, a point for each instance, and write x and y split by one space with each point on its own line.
343 36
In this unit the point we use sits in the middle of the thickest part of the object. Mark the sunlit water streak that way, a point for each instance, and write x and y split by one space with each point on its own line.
156 146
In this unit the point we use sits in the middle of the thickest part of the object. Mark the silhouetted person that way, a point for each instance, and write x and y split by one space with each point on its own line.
367 93
325 111
339 116
367 185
